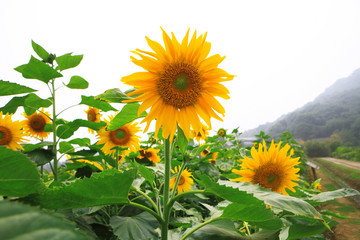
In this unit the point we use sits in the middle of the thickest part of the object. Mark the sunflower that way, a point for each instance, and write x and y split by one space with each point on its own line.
205 152
202 135
185 181
10 132
317 186
180 84
213 157
221 132
123 137
34 124
150 154
96 164
270 168
93 115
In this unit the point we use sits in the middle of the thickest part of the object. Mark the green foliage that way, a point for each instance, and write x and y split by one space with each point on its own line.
113 95
18 174
9 88
40 51
33 102
127 114
90 101
349 153
141 226
316 149
18 221
108 187
77 82
67 61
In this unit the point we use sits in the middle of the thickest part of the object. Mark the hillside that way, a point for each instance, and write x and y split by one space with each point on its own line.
336 110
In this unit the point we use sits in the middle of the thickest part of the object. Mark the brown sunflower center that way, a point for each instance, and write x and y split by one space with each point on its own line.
5 135
120 136
180 84
181 181
91 115
205 152
145 153
269 176
37 123
221 133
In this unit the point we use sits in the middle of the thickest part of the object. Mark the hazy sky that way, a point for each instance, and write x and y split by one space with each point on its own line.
284 53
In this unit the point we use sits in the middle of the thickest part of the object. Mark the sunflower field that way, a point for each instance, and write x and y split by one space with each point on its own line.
181 182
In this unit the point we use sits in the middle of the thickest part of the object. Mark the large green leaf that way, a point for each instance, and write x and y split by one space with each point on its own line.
291 204
77 82
248 212
147 174
19 176
90 101
107 187
66 130
40 156
30 147
13 104
67 61
37 69
9 88
301 228
127 114
331 195
181 140
138 227
113 95
225 164
40 51
18 221
33 102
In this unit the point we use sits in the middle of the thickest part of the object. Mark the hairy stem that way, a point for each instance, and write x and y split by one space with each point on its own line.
166 215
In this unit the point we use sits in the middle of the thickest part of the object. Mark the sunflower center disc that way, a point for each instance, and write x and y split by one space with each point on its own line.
181 181
37 123
5 136
91 116
271 179
120 134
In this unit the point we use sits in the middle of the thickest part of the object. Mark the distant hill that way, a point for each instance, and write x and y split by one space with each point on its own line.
336 110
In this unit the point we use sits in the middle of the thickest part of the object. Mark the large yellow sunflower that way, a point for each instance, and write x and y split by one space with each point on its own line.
123 137
150 154
270 168
185 180
34 124
10 132
180 84
93 115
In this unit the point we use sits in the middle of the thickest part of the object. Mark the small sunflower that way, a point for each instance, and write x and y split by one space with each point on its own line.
179 85
270 168
96 164
93 115
317 186
34 124
221 132
150 154
205 152
185 181
213 157
124 137
10 132
202 135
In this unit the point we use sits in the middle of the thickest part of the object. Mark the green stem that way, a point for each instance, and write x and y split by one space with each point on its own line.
55 171
166 215
117 159
147 210
66 109
149 199
200 226
174 199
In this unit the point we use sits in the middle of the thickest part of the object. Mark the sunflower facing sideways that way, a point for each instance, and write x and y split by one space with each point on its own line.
93 115
10 132
34 124
270 168
179 84
185 181
202 135
150 154
123 137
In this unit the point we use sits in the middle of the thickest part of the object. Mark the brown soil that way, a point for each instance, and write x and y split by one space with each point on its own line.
347 229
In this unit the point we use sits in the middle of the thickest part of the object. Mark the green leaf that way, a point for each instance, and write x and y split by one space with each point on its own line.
291 204
82 142
36 69
77 82
66 147
331 195
114 95
301 228
33 102
19 176
181 140
141 226
90 101
30 147
66 130
40 156
13 104
250 211
105 188
18 221
67 61
40 51
147 174
225 165
127 114
9 88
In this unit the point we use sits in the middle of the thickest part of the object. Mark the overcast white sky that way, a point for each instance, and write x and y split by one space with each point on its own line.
284 53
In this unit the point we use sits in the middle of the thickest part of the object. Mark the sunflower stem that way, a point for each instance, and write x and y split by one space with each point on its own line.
55 170
148 198
171 202
166 215
116 158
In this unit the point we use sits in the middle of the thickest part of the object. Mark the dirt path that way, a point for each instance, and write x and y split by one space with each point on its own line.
347 229
347 163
